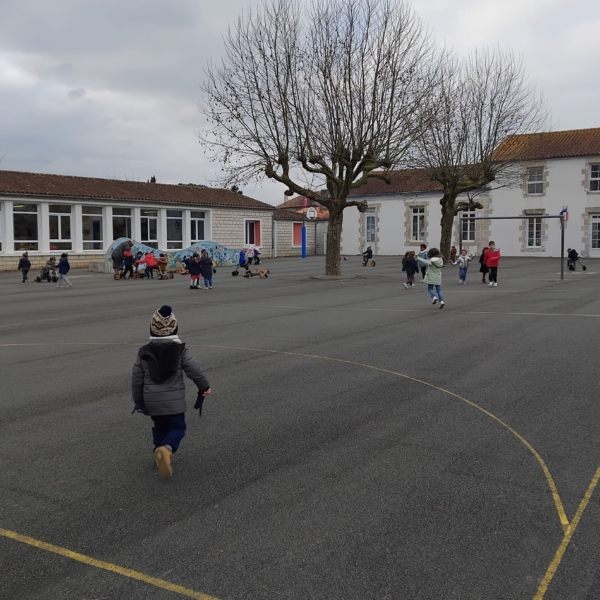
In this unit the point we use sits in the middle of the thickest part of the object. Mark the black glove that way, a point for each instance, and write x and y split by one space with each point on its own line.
200 401
140 407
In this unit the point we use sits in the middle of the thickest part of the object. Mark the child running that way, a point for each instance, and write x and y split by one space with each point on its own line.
463 264
492 259
411 266
63 268
433 276
423 255
158 387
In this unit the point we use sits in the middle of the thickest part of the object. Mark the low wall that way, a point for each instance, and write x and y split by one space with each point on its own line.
77 261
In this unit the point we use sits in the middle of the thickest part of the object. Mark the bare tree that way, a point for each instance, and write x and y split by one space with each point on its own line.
321 97
481 102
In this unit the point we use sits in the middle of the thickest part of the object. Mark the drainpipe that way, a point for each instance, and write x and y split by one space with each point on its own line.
273 234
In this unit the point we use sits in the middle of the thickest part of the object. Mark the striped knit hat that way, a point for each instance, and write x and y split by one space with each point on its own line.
163 322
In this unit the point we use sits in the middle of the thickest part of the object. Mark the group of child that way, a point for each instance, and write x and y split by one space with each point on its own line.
50 267
197 266
430 264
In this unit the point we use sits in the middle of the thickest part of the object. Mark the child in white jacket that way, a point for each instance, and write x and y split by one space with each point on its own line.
463 264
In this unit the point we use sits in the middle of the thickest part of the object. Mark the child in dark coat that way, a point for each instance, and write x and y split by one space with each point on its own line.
24 266
206 270
158 387
411 266
194 268
63 268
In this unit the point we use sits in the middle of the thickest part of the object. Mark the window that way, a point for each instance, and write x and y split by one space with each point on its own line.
534 233
297 234
174 230
197 226
60 227
121 223
91 222
596 232
535 180
25 221
418 224
252 233
468 225
370 229
149 227
0 226
595 178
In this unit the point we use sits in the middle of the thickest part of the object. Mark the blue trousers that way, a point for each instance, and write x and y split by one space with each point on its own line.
462 274
438 289
168 430
207 282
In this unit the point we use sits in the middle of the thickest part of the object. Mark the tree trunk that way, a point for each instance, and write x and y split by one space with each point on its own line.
334 241
447 223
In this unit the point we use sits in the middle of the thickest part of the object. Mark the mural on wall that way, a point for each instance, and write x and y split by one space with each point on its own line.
222 257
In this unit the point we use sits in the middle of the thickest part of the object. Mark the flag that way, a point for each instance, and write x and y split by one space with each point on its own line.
565 214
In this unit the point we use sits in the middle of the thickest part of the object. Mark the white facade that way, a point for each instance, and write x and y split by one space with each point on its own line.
396 223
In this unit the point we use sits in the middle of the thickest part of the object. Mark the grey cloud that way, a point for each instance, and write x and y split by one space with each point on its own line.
76 94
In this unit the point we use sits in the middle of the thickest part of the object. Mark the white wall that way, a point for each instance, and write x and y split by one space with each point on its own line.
565 185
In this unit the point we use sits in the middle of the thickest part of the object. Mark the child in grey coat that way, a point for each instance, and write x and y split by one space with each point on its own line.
158 387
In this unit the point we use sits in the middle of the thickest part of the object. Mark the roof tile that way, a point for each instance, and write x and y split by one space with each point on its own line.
39 184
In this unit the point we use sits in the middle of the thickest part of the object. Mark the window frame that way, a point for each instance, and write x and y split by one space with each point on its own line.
98 217
372 230
468 220
417 212
594 182
537 223
152 243
247 242
23 243
194 225
595 224
128 218
60 243
535 182
173 244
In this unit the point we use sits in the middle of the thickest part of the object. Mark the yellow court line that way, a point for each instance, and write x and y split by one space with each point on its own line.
100 564
562 515
550 480
553 567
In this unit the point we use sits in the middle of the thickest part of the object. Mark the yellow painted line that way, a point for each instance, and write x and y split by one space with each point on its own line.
100 564
553 567
562 515
550 480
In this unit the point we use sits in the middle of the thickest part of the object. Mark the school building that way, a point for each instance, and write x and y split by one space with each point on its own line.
50 214
558 170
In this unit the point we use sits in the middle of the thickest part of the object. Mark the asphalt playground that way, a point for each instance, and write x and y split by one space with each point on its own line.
359 442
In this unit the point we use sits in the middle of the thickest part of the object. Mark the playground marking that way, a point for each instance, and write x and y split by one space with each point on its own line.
106 566
564 521
558 556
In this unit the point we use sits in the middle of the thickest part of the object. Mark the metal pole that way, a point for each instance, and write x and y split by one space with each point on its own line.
562 247
303 238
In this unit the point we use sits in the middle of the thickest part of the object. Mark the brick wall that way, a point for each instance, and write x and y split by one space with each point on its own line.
228 228
284 238
77 261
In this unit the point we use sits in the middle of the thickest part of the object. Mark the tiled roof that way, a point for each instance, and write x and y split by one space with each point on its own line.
39 184
552 144
403 181
290 215
297 202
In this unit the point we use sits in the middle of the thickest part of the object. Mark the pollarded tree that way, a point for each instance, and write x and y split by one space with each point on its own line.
324 96
480 103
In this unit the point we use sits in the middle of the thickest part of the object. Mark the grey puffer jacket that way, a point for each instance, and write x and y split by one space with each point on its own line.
157 378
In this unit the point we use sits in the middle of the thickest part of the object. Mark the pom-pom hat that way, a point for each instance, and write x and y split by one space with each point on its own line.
163 323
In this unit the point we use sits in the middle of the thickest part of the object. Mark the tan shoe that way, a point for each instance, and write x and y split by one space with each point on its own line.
164 458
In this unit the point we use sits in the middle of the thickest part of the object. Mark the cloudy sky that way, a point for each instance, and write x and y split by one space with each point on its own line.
110 88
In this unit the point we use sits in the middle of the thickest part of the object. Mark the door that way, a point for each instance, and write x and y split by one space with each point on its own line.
320 233
595 235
